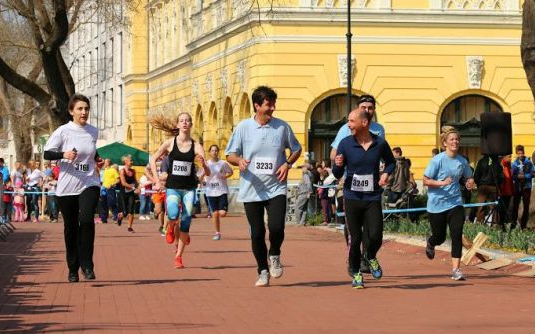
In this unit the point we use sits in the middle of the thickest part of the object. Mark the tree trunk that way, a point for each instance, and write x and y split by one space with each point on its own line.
527 44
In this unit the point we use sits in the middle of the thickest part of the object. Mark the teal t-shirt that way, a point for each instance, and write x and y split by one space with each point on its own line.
440 167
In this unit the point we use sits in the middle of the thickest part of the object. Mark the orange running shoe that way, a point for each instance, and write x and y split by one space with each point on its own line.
170 235
178 262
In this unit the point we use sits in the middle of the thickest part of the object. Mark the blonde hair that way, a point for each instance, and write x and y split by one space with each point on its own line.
445 131
126 156
162 122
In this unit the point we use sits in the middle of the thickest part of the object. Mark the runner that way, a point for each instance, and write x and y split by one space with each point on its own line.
158 198
258 147
78 184
445 203
359 156
181 182
366 103
217 188
127 192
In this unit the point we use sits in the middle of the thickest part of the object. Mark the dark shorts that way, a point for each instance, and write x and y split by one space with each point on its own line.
218 203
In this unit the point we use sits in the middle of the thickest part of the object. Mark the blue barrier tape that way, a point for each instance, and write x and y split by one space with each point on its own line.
342 214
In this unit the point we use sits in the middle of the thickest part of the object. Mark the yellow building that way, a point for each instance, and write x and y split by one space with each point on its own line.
427 62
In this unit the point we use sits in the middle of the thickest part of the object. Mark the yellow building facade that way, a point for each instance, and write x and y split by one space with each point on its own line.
427 62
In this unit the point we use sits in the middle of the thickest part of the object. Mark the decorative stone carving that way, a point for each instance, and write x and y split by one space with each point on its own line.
209 85
342 69
362 3
329 3
241 72
487 5
195 90
474 66
224 82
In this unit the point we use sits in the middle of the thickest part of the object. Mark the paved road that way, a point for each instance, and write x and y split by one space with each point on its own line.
138 291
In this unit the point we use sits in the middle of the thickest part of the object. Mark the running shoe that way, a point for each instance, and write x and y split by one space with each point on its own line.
358 281
430 251
276 267
263 278
217 236
178 262
375 267
364 266
170 235
130 230
457 275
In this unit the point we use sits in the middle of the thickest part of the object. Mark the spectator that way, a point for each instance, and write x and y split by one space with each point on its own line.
399 180
51 201
487 176
506 192
18 202
34 183
467 195
5 171
17 174
145 187
108 198
326 194
304 191
522 169
7 199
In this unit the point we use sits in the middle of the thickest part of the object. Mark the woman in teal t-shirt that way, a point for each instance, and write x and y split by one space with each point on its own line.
445 204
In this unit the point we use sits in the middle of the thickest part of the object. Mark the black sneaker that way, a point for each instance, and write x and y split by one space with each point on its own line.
430 251
364 266
73 276
89 274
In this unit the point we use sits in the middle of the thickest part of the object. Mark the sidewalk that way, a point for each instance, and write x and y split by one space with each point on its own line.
138 291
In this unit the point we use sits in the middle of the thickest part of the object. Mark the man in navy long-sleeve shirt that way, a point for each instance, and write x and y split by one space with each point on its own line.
359 155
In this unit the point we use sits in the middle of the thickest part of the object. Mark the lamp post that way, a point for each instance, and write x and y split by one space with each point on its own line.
348 61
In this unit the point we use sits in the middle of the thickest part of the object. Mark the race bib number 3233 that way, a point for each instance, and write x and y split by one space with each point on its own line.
264 166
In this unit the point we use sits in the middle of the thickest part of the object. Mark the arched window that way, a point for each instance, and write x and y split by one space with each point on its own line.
326 119
463 113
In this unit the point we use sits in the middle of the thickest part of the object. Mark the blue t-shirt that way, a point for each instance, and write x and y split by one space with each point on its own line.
441 166
362 167
5 173
375 128
265 146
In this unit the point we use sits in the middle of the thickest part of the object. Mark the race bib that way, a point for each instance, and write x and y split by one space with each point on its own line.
265 166
181 168
81 167
214 185
362 183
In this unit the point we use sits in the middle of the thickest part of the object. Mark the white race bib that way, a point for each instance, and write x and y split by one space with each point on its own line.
362 183
265 166
181 168
214 185
81 167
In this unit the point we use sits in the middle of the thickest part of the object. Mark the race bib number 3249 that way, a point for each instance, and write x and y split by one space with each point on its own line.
362 183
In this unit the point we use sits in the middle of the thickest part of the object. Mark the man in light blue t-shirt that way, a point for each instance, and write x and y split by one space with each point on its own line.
258 147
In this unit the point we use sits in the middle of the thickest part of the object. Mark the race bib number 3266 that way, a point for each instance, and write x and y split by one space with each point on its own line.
362 183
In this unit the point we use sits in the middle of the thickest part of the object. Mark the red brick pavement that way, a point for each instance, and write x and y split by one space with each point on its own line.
138 291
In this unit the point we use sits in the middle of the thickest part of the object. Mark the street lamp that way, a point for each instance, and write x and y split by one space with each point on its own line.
348 60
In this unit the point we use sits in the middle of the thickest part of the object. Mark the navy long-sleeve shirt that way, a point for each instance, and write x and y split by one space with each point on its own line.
361 165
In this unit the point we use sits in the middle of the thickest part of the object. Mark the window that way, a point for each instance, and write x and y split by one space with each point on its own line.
110 59
103 62
111 108
121 105
120 53
103 110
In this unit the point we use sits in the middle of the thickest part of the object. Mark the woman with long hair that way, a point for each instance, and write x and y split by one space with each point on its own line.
78 187
182 181
217 188
445 202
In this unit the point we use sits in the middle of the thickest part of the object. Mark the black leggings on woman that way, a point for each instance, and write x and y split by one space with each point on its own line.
454 218
78 213
367 216
127 200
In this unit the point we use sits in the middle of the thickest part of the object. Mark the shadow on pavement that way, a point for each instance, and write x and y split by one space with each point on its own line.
124 327
18 299
100 284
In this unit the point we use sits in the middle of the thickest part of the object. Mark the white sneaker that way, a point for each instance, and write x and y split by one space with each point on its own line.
276 267
263 278
457 275
141 217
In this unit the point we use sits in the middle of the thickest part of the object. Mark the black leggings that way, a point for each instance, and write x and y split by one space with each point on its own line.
126 202
453 217
78 213
365 215
276 212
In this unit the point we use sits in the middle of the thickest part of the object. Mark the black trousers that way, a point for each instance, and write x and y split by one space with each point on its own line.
364 216
79 227
525 197
276 213
454 218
